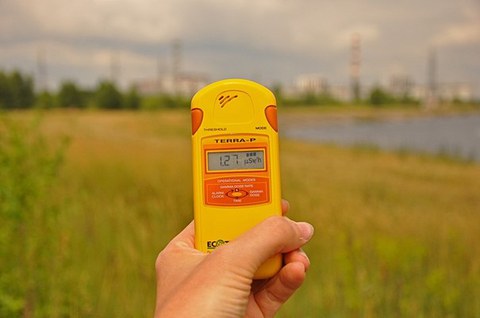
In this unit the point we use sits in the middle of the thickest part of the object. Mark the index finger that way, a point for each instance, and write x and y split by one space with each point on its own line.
285 207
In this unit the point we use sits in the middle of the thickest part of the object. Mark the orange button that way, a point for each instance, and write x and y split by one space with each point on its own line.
237 193
197 117
271 114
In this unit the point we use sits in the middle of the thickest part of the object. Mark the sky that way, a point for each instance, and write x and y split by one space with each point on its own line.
271 41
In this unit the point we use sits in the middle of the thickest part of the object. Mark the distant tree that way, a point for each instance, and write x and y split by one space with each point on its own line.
5 92
70 95
315 99
309 98
45 99
409 100
167 100
22 90
132 99
108 96
160 101
16 90
277 91
380 97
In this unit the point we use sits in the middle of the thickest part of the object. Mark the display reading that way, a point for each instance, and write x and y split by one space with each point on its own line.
236 160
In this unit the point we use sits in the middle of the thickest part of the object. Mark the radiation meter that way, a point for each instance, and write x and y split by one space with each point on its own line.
236 173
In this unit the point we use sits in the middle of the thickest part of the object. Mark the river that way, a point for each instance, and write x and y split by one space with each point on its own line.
453 135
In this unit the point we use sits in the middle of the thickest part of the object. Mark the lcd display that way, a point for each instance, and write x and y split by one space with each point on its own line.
236 160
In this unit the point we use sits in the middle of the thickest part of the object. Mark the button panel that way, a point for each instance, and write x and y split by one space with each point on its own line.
236 191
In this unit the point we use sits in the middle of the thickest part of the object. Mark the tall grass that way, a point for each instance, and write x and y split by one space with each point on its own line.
396 234
28 169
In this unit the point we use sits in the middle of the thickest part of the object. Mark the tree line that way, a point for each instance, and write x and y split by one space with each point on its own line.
17 91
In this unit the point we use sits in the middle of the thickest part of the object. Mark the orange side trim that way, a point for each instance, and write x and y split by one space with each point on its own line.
197 118
271 114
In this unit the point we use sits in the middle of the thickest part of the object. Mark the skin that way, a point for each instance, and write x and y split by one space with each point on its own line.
220 284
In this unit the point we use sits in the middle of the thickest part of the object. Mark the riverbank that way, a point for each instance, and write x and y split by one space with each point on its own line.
294 116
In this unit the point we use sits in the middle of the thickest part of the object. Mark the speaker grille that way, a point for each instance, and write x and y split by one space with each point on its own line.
225 99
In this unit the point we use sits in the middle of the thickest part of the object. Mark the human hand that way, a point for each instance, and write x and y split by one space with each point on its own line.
191 283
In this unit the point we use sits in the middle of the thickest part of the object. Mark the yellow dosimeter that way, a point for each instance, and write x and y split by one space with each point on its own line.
236 172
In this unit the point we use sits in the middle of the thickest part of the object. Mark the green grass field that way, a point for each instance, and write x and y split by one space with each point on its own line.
397 235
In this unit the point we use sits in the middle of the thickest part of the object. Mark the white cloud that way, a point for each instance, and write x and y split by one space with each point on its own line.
459 34
95 18
462 32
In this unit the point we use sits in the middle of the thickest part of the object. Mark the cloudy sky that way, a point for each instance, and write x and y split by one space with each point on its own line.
266 40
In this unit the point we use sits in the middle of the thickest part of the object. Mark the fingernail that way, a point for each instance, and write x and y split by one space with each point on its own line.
304 255
301 252
306 230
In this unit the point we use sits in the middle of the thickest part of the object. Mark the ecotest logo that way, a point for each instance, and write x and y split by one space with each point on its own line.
214 244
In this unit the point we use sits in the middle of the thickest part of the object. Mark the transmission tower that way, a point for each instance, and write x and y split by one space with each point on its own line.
355 62
42 83
160 72
176 64
431 98
114 68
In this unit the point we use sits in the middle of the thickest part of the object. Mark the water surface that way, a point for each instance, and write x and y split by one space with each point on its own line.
455 135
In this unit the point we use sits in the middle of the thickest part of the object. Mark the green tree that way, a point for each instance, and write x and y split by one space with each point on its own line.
5 93
70 95
16 90
108 96
45 99
380 97
22 90
132 99
277 90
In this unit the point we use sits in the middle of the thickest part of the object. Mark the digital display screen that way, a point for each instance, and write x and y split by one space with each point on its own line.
236 160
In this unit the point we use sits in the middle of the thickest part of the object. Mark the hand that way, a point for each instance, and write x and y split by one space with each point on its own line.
220 284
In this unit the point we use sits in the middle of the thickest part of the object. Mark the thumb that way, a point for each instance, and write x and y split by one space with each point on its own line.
273 236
